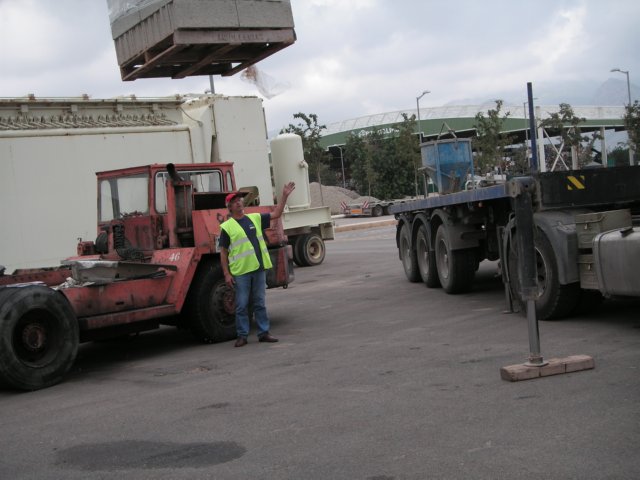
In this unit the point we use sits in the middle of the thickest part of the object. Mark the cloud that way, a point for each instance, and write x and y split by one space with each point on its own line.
561 42
29 31
341 5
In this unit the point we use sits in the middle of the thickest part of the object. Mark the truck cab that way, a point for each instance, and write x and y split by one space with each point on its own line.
147 208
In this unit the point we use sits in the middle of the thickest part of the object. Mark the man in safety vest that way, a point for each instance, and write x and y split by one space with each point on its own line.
245 260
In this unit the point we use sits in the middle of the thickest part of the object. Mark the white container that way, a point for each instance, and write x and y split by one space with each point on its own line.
287 159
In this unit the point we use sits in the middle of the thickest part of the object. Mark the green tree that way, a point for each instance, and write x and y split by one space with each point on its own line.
520 161
403 159
384 167
355 153
382 155
376 154
619 156
310 130
567 124
490 141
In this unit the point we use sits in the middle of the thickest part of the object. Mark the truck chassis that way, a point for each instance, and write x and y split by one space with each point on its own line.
442 239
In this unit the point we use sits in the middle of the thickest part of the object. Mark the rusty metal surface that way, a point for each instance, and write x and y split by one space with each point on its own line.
123 318
118 296
50 276
127 295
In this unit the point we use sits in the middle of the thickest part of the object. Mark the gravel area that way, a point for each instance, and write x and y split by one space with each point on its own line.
332 196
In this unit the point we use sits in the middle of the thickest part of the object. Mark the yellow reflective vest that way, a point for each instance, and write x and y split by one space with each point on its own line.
242 255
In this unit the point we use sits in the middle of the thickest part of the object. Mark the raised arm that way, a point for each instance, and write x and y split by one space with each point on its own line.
286 191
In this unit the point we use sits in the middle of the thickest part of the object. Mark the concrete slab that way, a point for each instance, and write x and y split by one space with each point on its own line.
556 366
181 38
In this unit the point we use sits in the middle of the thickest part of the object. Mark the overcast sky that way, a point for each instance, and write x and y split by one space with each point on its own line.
353 57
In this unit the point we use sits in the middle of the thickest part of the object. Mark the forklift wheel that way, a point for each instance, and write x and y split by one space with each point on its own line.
210 307
38 337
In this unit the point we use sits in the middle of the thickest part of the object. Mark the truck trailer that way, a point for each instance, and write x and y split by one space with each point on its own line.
51 148
586 230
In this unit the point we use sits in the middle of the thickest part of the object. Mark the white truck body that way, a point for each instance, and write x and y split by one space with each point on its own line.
50 150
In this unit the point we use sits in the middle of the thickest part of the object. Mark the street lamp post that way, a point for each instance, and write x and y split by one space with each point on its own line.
415 170
626 72
418 109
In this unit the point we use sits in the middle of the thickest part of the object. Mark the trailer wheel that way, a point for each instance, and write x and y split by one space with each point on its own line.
310 250
408 255
314 249
554 300
295 248
456 268
376 211
38 337
210 306
426 259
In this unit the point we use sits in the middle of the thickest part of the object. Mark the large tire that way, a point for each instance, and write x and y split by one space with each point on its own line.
210 305
408 255
38 337
296 248
376 211
554 300
456 268
426 259
310 250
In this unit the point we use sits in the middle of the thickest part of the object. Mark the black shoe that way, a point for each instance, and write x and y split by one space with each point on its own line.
241 342
267 338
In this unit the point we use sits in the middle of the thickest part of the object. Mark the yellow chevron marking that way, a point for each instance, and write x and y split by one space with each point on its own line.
574 182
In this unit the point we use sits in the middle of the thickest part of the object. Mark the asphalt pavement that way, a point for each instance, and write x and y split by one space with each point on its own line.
374 378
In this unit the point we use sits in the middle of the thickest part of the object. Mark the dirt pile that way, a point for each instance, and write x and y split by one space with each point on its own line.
332 197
